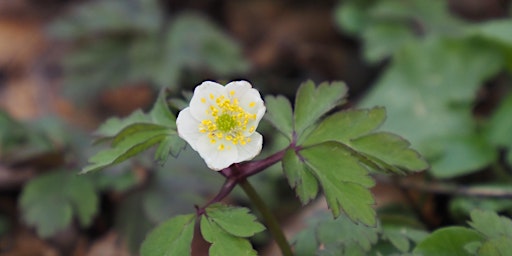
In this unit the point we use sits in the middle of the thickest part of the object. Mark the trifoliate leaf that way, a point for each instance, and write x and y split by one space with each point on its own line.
299 177
344 181
173 237
49 201
311 103
224 243
450 241
234 220
279 114
347 125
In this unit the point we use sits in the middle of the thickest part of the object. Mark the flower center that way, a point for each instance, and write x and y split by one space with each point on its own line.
228 122
225 122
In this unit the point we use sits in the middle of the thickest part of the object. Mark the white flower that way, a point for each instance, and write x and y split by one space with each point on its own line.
221 122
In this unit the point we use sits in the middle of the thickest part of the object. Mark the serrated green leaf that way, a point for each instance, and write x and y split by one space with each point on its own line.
173 237
234 220
490 224
125 149
161 114
114 125
280 115
311 103
139 130
391 149
344 231
299 177
498 246
344 181
450 241
49 201
170 145
346 125
224 243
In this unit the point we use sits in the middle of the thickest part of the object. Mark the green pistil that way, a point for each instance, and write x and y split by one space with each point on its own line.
225 123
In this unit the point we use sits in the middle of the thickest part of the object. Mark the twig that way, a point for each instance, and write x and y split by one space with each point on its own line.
448 188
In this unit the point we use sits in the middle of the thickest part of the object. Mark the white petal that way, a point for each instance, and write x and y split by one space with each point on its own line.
188 128
251 149
237 89
202 100
217 159
253 104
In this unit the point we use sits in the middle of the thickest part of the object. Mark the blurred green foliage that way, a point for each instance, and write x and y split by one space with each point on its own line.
118 43
438 66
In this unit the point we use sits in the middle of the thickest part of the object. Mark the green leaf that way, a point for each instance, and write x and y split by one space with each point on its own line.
279 114
234 220
344 231
125 149
409 89
497 246
450 241
490 224
346 125
161 114
344 181
114 125
312 103
299 177
461 155
500 124
391 149
49 202
137 133
173 237
341 236
224 243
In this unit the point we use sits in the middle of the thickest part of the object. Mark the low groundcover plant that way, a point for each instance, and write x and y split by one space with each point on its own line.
329 149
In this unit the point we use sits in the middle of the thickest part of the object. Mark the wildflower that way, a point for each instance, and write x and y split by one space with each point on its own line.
220 123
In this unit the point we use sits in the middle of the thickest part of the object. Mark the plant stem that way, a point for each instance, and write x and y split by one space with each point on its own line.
270 219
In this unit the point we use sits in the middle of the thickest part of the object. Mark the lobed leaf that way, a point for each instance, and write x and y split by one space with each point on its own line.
234 220
173 237
391 149
311 103
136 133
344 181
50 201
346 125
280 115
450 241
224 243
299 177
125 149
490 224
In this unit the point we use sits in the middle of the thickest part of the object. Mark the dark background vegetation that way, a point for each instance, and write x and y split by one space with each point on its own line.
67 65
